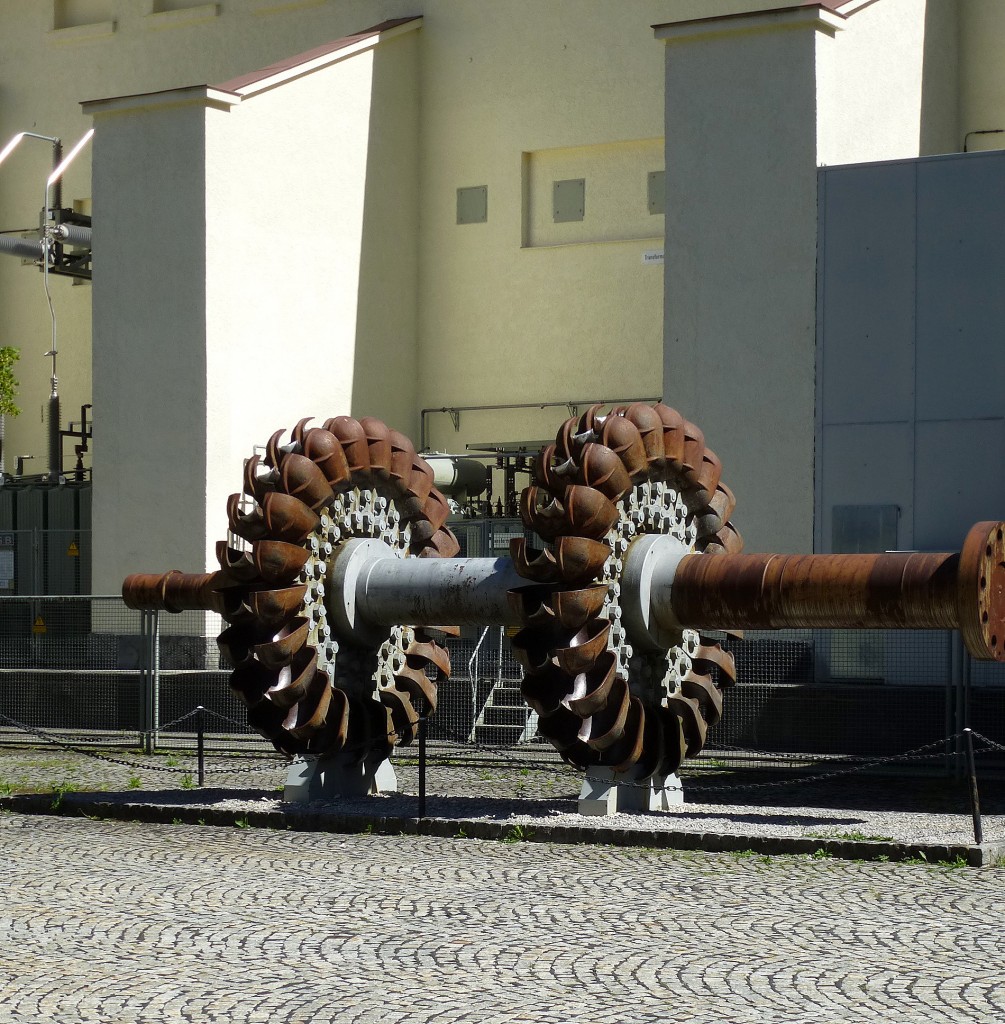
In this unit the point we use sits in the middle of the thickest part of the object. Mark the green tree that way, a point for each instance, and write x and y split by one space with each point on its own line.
8 392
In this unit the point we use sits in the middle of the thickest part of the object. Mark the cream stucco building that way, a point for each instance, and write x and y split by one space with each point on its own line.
450 214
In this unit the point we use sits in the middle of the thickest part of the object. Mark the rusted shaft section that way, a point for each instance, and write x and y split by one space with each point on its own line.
905 591
173 591
902 590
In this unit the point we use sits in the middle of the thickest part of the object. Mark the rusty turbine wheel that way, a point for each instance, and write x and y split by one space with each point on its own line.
305 690
605 483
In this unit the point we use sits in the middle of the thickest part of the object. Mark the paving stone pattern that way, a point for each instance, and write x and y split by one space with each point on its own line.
122 922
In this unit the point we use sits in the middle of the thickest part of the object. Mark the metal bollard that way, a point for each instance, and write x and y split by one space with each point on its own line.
201 742
975 803
422 765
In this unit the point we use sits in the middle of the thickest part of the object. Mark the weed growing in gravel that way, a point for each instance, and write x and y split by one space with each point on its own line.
242 823
186 781
177 821
821 854
460 834
5 788
134 782
516 834
855 837
170 761
59 791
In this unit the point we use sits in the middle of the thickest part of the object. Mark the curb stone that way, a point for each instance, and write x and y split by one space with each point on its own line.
324 820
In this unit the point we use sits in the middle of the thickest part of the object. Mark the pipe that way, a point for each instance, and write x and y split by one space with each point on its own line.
457 476
23 247
456 410
73 234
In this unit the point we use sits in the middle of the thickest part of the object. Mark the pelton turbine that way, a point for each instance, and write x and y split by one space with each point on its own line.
338 582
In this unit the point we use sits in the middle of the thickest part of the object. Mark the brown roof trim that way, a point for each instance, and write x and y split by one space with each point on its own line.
244 83
842 8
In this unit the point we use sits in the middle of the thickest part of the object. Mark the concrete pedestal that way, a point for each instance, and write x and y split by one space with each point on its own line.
602 793
326 778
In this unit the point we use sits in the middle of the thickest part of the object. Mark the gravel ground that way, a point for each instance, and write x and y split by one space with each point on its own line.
528 793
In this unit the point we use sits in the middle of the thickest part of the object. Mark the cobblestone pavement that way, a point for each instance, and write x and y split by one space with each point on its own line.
121 923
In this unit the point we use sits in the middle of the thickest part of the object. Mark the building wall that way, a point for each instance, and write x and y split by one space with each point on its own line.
910 352
982 73
149 497
870 84
740 255
501 316
754 105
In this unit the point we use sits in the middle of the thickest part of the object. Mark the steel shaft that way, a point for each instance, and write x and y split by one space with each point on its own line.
897 590
900 590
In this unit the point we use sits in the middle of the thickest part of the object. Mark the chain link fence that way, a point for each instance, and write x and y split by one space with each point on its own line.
89 668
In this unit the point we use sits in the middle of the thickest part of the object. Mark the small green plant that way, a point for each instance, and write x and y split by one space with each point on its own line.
171 761
242 823
187 781
821 854
177 821
59 791
745 853
460 834
855 837
516 834
134 782
5 788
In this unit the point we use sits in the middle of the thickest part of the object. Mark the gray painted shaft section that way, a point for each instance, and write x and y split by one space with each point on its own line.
438 591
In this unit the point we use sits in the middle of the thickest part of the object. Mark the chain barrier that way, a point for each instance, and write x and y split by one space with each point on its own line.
145 765
991 744
510 755
910 755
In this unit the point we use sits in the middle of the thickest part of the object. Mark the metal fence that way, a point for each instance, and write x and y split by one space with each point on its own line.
88 667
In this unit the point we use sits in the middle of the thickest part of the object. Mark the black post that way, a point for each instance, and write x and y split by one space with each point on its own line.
422 766
201 743
975 803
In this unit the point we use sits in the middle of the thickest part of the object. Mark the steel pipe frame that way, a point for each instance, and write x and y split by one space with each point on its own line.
900 590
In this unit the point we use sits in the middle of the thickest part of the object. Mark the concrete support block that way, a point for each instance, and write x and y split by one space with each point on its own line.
602 793
328 778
